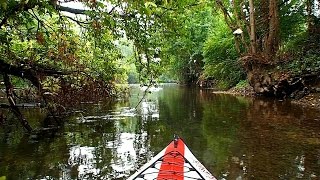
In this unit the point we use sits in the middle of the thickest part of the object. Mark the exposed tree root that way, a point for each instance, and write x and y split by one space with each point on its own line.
267 81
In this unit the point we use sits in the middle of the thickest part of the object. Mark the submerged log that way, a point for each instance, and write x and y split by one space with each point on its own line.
24 105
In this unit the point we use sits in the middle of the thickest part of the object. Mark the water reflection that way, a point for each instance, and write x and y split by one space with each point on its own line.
83 159
149 109
285 138
234 137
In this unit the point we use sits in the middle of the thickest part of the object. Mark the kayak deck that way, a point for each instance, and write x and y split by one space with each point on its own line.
175 162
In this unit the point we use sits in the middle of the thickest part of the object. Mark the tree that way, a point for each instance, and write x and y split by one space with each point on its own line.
183 47
44 45
252 28
268 26
221 55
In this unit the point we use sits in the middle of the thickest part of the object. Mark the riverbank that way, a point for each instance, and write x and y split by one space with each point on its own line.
311 100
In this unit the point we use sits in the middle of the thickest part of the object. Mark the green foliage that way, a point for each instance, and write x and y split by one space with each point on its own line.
220 56
292 46
308 63
20 83
280 38
292 20
184 50
56 42
242 84
301 54
133 76
180 39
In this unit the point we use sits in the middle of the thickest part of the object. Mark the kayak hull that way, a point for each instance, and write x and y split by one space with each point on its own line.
175 162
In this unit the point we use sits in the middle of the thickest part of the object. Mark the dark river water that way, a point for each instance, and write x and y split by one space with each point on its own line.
234 137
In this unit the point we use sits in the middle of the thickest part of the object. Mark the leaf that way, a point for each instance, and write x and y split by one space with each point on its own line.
150 4
100 5
3 4
165 2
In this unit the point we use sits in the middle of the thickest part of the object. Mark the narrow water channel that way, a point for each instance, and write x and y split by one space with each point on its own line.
234 137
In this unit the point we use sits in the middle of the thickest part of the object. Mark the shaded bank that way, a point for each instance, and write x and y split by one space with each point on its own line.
311 100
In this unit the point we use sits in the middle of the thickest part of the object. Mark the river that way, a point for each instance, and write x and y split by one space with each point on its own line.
234 137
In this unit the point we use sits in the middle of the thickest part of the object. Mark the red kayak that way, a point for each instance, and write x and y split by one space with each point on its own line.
175 162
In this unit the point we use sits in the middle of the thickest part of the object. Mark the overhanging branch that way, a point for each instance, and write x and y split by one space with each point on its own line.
30 73
70 10
80 23
17 8
22 6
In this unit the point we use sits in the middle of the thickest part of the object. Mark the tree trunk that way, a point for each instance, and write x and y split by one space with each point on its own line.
273 36
238 22
252 28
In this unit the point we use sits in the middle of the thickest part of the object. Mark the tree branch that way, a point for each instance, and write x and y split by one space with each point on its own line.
33 14
17 8
13 10
30 73
68 9
80 23
14 108
226 15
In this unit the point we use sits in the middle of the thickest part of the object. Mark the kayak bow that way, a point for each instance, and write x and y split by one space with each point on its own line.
175 162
